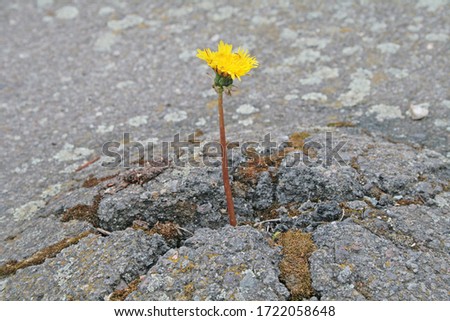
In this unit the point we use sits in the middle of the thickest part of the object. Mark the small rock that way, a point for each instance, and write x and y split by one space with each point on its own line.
417 112
327 212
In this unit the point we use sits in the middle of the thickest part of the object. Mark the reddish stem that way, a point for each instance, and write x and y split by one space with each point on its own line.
226 180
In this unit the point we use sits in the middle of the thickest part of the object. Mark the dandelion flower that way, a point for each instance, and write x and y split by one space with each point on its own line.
227 63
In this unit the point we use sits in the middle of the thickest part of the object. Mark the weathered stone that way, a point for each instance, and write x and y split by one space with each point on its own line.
89 270
302 183
226 264
30 238
352 263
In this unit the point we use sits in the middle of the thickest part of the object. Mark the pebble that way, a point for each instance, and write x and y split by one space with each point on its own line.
417 112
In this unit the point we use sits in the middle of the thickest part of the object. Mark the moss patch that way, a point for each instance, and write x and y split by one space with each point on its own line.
297 248
121 295
84 212
40 256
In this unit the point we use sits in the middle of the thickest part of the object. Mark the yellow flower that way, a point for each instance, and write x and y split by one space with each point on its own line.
227 63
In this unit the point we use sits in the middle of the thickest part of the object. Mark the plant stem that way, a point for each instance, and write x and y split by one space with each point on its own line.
226 180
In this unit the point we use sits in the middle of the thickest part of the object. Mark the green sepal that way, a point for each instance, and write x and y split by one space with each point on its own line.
221 81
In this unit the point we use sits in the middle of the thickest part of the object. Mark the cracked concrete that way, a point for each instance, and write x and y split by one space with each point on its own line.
79 74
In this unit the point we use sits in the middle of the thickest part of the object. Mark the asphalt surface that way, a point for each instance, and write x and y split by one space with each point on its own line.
77 74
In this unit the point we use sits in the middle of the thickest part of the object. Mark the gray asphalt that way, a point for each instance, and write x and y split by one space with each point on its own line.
76 74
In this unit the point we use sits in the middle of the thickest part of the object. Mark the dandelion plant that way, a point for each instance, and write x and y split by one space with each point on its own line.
227 65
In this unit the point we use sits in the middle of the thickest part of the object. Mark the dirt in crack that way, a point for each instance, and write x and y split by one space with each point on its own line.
248 172
121 295
84 212
93 181
40 256
171 232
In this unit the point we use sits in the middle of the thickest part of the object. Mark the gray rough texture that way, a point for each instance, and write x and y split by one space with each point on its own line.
193 196
375 209
37 236
371 60
89 270
80 73
353 263
224 264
